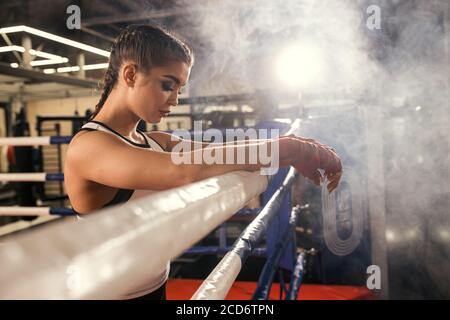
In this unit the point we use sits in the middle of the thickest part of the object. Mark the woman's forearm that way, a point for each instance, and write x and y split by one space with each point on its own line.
192 145
219 159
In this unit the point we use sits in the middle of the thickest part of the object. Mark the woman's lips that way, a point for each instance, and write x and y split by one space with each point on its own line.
164 112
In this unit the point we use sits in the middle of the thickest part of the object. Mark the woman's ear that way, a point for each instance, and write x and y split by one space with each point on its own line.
129 73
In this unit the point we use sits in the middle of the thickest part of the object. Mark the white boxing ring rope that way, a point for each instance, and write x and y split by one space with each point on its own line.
34 141
25 141
24 211
117 249
23 177
34 211
31 177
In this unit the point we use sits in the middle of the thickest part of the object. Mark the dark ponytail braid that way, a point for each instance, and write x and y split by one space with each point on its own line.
109 80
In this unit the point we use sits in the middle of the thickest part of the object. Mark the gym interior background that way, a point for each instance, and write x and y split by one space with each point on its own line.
370 78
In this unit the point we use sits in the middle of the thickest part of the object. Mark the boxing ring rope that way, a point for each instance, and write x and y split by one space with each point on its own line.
268 272
34 211
31 177
44 211
117 249
220 280
259 252
297 277
35 141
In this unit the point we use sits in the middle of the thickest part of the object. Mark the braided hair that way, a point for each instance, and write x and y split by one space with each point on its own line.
146 45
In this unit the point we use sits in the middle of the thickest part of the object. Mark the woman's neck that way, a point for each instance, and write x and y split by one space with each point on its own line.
116 115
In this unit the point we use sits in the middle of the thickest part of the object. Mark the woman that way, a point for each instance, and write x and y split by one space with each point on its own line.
147 68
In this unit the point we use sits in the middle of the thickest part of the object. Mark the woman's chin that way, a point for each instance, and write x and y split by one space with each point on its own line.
154 119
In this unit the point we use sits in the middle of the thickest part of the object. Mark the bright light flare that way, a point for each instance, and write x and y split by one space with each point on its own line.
300 66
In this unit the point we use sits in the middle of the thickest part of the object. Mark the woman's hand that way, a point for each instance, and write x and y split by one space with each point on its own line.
307 156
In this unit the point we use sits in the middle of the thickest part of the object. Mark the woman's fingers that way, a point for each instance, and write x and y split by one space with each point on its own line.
319 156
317 178
333 181
329 160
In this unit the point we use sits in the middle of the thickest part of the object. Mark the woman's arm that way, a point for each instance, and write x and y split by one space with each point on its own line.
98 157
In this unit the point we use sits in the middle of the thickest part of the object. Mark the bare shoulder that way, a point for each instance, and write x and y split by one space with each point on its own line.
86 142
